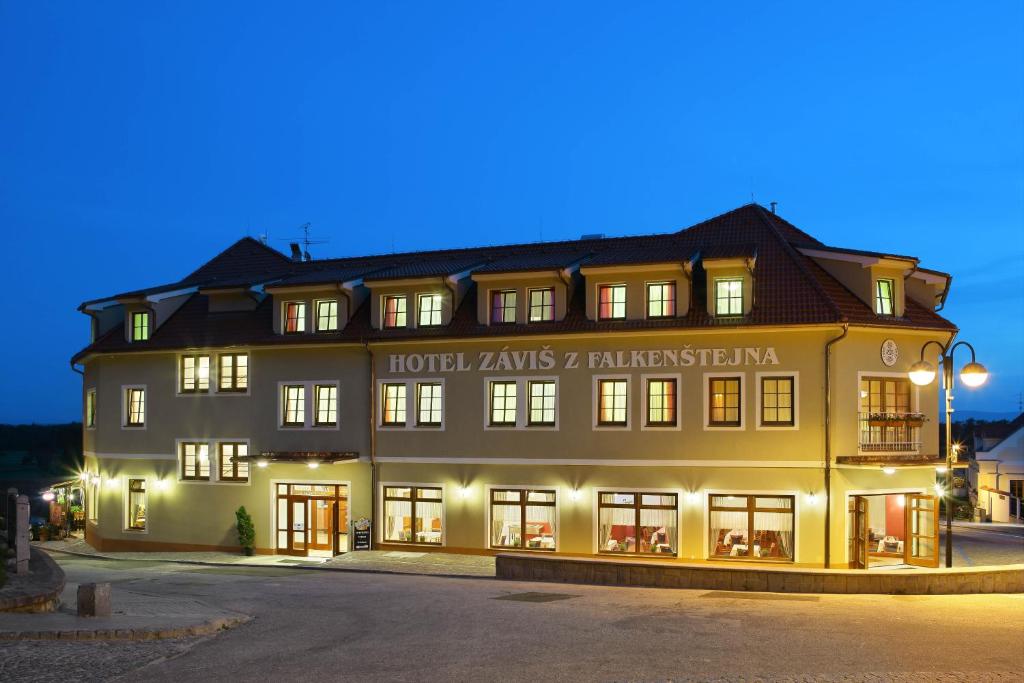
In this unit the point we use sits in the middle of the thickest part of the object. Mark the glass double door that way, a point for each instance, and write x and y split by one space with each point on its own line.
311 521
917 542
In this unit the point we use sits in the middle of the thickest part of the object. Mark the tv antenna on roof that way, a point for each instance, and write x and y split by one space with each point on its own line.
304 240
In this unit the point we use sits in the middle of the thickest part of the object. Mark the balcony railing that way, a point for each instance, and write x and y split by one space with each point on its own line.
890 432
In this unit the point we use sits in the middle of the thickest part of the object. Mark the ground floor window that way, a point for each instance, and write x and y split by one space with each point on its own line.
137 504
753 527
637 522
412 514
523 518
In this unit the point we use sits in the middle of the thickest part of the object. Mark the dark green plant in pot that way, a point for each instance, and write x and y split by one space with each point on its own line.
246 530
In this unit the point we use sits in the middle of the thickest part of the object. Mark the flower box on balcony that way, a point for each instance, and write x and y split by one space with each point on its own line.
895 420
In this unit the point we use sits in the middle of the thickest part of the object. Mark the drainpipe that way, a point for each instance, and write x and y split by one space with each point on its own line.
828 443
373 444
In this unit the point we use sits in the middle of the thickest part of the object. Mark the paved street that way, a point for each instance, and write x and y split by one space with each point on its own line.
357 626
981 544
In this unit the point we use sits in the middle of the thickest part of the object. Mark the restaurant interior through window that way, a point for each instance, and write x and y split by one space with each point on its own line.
523 518
412 514
637 522
751 527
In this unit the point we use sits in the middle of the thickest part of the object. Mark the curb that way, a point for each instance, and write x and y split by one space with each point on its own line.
317 568
204 629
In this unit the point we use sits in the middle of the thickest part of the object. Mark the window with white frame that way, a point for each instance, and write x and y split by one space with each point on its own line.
502 403
661 299
294 317
612 402
140 326
724 401
637 522
413 514
392 413
429 310
523 518
542 305
885 297
234 372
194 374
777 401
503 306
294 405
611 302
325 398
542 403
429 398
135 406
395 311
231 468
327 315
90 409
661 402
729 296
136 508
195 461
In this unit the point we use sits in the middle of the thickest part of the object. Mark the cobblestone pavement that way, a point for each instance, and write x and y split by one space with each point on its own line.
975 545
61 662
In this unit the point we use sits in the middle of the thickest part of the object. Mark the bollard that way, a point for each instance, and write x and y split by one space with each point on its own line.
94 600
21 535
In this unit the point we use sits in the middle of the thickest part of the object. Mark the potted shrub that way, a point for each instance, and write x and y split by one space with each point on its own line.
914 419
246 530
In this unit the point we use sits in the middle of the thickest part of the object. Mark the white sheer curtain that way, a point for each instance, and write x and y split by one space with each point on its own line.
782 524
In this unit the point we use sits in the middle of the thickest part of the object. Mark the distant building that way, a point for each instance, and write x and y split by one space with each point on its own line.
1000 458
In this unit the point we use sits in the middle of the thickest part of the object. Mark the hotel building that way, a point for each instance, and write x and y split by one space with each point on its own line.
735 391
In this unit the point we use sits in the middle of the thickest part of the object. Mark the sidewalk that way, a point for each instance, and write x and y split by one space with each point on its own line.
133 617
378 561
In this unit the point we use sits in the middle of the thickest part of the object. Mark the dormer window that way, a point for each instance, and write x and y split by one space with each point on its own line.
394 311
611 302
429 310
661 299
294 317
503 306
327 315
140 326
542 305
729 296
884 297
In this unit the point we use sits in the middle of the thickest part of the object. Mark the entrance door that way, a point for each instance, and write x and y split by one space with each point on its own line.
922 550
859 556
298 526
321 524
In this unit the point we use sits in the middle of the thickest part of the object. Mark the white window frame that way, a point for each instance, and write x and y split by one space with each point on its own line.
706 395
215 380
145 407
647 299
212 387
440 311
126 504
526 407
310 398
215 456
795 374
405 484
412 392
644 427
213 448
596 516
595 403
743 295
797 535
90 392
892 296
522 487
522 404
529 296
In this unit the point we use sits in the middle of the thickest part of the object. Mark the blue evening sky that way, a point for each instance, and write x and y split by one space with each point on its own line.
139 138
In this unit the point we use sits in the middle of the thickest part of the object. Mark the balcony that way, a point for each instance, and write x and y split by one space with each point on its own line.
889 432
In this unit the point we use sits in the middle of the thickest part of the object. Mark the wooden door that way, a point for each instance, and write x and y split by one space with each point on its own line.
321 523
861 520
298 525
922 518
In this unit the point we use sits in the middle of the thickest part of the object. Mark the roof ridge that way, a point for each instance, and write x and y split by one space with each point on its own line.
792 253
234 244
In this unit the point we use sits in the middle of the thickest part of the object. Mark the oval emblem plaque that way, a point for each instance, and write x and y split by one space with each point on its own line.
890 352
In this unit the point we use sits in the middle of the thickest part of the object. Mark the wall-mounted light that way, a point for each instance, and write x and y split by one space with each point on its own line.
262 463
939 491
889 470
313 464
574 494
941 469
812 498
463 492
162 484
48 496
84 476
112 481
692 497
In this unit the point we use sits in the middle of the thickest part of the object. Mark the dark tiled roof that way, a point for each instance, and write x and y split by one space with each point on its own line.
789 287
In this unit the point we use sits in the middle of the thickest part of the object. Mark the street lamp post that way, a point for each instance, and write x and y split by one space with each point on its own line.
974 374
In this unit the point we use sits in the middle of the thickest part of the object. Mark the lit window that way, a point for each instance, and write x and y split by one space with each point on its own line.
326 397
195 461
542 305
428 405
429 310
394 311
294 405
503 403
637 522
777 401
724 401
135 404
611 302
884 297
751 527
327 316
90 408
234 372
729 296
661 299
140 326
661 402
137 504
542 403
393 405
231 468
413 514
611 402
194 374
503 306
295 317
522 518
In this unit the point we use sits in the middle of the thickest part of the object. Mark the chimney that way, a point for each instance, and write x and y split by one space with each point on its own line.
296 252
773 205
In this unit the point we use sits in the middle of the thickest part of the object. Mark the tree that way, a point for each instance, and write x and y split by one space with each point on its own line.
246 530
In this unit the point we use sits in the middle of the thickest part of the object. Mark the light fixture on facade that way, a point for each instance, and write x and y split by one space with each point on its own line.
84 476
48 496
313 464
812 498
112 481
574 494
463 492
889 470
693 497
162 484
941 469
261 463
939 490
